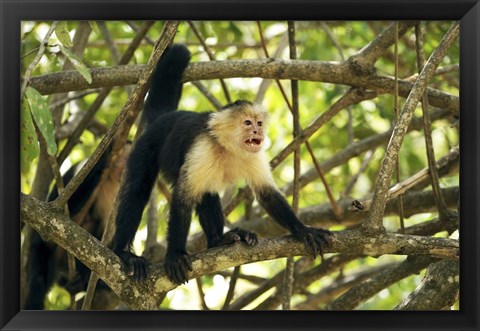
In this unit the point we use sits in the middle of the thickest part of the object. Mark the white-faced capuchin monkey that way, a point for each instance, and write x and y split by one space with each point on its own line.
199 154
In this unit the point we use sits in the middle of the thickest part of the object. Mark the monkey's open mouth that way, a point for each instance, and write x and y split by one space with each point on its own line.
253 142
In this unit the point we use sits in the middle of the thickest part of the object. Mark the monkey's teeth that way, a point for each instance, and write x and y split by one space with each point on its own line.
252 142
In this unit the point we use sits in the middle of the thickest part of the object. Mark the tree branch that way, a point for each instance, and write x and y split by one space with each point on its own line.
438 289
362 292
319 71
322 215
55 226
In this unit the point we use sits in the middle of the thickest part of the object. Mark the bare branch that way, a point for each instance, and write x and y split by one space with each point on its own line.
372 286
319 71
438 289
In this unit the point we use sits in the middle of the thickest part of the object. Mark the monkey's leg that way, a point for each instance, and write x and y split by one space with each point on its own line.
211 218
177 263
210 214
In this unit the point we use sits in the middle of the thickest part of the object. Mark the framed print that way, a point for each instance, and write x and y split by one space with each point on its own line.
239 165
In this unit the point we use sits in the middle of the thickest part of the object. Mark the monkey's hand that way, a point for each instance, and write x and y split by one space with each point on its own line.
137 265
315 240
239 235
177 267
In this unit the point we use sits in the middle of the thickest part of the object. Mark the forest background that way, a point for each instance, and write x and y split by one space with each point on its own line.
341 96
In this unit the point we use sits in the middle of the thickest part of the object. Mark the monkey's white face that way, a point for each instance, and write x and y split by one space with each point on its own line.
252 134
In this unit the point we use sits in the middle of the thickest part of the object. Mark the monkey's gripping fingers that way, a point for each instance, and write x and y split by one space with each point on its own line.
177 268
237 234
137 265
315 240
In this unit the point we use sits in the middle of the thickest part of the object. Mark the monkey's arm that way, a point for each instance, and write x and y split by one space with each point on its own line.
277 207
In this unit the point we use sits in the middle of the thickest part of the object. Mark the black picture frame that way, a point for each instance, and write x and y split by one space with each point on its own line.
14 11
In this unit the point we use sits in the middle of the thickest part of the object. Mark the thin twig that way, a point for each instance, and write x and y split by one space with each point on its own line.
109 41
201 293
289 269
439 200
341 285
337 45
207 94
33 64
74 96
211 56
353 180
136 29
395 107
231 288
304 279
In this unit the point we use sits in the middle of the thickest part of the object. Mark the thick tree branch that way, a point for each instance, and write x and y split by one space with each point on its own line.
362 292
322 216
53 225
438 289
319 71
325 295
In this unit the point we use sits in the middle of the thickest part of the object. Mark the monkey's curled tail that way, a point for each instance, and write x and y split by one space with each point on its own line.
166 86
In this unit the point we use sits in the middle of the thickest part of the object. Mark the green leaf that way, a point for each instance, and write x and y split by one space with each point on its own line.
63 35
43 118
94 27
77 63
28 139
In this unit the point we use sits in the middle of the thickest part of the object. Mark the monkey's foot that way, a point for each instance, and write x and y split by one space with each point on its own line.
315 240
177 267
237 234
137 265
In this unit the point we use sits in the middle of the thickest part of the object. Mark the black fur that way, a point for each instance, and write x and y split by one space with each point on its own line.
316 240
166 87
43 267
162 148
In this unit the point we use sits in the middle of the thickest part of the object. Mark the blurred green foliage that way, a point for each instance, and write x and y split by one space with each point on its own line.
241 40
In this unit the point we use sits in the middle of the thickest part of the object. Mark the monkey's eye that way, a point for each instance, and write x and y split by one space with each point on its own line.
247 122
259 123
